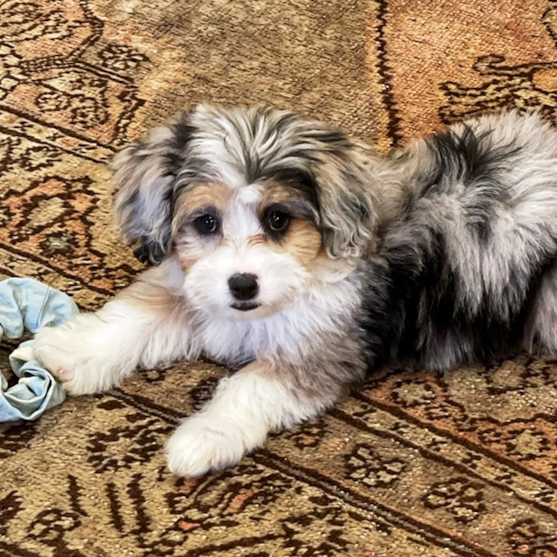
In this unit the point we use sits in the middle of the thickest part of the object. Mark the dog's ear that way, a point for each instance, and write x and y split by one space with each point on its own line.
347 204
144 175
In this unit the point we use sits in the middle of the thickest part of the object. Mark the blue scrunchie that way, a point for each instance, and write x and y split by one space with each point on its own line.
28 305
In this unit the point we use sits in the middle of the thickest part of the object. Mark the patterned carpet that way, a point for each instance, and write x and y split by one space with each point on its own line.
416 464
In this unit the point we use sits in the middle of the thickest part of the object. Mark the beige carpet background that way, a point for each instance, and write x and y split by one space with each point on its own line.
417 464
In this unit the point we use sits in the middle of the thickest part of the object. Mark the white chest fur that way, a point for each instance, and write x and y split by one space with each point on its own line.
293 331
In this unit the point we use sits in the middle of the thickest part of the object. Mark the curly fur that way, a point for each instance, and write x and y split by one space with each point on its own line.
437 255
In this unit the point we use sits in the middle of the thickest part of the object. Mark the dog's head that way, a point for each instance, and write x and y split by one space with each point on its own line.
256 205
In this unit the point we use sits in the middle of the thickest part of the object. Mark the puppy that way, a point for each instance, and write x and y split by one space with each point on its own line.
281 246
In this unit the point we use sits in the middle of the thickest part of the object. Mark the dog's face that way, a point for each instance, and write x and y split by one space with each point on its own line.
257 205
246 251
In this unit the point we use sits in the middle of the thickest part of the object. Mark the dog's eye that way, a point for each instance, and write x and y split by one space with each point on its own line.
206 224
278 221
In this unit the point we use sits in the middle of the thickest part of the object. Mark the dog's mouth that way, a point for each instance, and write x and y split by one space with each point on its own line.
245 306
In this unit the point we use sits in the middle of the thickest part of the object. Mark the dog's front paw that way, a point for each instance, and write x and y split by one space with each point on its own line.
203 443
57 349
77 355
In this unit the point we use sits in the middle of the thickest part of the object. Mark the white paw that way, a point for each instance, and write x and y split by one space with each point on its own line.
73 353
203 443
54 348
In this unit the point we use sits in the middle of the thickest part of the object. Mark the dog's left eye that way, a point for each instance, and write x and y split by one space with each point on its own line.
277 221
206 224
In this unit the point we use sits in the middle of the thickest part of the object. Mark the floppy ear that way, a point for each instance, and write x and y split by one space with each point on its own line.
347 204
143 189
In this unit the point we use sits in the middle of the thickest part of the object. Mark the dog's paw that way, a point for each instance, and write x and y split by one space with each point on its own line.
203 443
55 349
73 354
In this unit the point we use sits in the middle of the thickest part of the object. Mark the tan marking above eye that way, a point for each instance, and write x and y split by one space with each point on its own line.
216 195
203 195
277 193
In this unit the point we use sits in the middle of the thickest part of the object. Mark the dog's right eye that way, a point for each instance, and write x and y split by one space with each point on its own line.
206 224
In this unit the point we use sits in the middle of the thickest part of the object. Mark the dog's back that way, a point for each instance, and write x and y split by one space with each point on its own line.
466 270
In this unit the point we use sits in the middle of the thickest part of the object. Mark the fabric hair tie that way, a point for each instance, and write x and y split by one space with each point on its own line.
26 305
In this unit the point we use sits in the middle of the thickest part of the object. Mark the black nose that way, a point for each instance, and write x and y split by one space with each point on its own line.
243 286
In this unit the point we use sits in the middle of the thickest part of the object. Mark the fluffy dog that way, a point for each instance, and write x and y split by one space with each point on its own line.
281 246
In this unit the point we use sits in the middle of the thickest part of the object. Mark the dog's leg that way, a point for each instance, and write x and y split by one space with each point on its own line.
245 408
143 326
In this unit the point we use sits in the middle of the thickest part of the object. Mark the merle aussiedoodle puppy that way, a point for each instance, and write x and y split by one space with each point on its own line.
281 246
